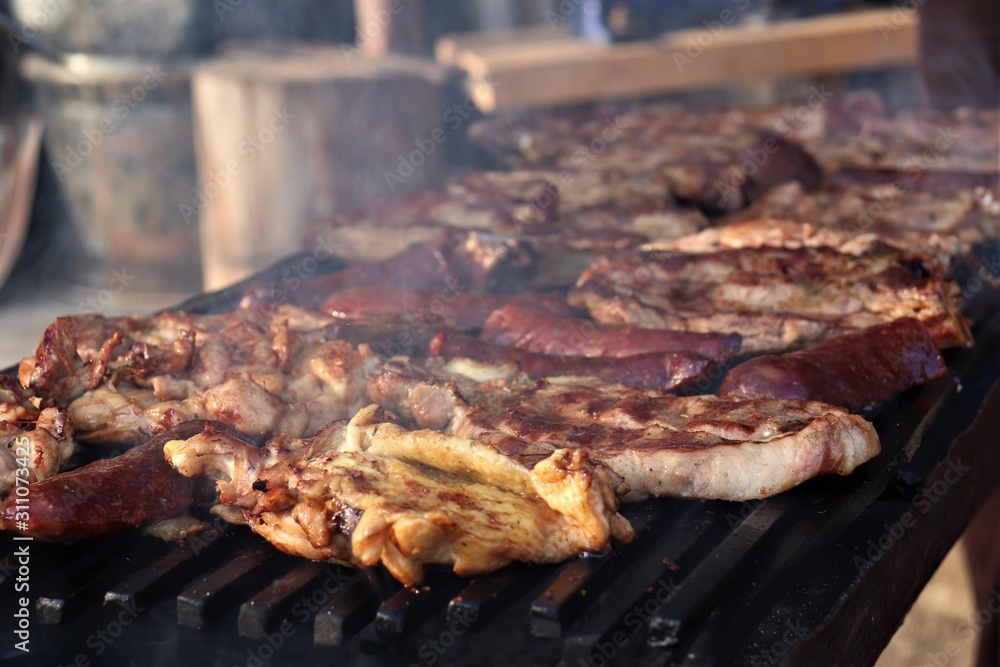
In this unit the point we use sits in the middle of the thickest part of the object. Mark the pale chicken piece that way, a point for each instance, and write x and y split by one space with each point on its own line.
660 444
323 382
370 491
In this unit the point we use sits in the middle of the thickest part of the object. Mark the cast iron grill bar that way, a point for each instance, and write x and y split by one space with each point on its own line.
85 584
694 596
167 575
353 607
213 594
410 607
823 509
487 596
264 613
584 579
692 539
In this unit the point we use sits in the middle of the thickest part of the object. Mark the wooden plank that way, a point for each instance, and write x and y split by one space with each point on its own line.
449 49
546 72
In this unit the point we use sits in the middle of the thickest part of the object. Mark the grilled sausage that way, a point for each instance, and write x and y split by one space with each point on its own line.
106 496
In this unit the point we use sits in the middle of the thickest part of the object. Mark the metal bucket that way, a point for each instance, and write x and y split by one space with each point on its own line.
141 28
119 139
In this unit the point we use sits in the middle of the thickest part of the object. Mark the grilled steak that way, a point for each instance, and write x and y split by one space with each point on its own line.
776 298
944 224
855 370
370 491
926 148
663 445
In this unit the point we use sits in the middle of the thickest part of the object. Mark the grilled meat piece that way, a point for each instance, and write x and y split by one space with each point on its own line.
553 136
418 267
262 372
39 443
323 382
461 310
106 496
661 444
778 299
925 148
940 223
548 333
668 371
932 252
855 371
370 491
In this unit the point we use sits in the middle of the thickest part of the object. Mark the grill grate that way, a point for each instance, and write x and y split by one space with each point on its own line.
704 582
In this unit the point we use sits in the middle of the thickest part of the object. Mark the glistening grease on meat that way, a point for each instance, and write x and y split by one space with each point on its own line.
260 371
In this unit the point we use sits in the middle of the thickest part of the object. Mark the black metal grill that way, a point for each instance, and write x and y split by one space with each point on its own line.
790 579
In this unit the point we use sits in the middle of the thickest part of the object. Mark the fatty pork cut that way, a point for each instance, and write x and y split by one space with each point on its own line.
661 444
